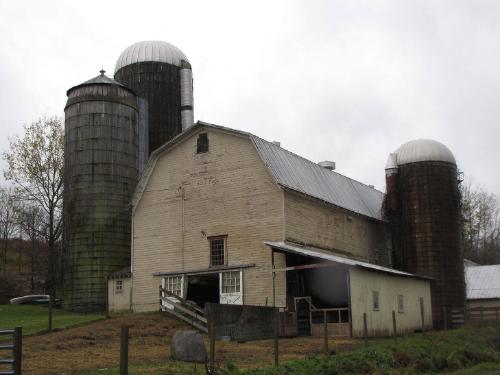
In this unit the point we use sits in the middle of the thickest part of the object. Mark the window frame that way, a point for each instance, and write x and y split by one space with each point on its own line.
202 148
224 255
235 278
118 285
168 283
401 303
376 297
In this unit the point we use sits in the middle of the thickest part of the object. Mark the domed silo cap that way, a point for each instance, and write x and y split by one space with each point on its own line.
151 50
423 150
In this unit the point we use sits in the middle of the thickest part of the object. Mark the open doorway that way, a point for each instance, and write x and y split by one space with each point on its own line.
203 288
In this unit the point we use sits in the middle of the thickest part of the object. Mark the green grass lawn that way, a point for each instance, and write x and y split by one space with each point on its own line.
34 319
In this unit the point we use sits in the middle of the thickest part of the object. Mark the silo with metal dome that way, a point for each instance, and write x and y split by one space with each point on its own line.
161 74
423 208
100 176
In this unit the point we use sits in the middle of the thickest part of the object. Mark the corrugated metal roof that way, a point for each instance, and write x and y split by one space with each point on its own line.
150 50
483 281
324 254
299 174
292 172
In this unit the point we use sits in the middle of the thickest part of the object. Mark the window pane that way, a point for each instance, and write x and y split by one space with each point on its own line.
231 282
217 251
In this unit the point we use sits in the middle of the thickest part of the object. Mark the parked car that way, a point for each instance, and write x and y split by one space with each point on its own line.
34 299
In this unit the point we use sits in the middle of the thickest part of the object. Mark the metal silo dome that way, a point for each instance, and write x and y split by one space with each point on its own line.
161 76
423 150
151 50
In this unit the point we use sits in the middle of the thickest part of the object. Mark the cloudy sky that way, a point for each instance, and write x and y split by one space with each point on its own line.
347 81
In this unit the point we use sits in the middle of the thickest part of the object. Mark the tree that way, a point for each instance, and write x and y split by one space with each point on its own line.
481 224
7 222
35 165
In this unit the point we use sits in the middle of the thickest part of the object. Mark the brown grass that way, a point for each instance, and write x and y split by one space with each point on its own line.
96 345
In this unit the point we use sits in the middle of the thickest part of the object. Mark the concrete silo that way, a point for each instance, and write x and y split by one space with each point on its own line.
423 208
161 74
101 156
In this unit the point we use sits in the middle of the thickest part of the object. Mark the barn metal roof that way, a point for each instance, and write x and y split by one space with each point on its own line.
314 252
304 176
292 172
150 50
483 281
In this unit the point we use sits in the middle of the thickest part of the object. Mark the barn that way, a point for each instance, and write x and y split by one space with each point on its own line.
221 215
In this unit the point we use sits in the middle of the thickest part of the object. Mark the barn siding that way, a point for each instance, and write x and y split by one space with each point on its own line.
322 225
227 191
379 323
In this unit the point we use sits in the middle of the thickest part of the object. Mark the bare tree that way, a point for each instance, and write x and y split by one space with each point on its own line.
35 165
481 224
31 222
7 222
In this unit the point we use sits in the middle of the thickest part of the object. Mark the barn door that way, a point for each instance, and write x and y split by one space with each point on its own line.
173 284
231 287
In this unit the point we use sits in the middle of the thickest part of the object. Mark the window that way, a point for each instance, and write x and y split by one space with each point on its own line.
173 284
401 303
217 250
231 282
376 304
118 286
202 143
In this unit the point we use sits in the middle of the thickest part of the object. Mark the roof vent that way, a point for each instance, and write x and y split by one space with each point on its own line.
276 143
330 165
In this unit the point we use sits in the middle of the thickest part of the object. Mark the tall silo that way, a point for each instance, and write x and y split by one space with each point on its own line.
101 156
423 208
160 73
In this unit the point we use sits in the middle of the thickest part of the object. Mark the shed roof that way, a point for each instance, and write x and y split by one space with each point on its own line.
483 282
315 252
292 172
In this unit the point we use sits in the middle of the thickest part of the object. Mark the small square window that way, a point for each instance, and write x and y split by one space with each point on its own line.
376 304
173 284
118 286
202 143
401 303
217 251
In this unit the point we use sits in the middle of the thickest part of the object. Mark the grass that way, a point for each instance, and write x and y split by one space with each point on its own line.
466 351
34 319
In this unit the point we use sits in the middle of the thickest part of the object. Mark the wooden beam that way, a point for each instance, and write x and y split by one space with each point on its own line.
306 266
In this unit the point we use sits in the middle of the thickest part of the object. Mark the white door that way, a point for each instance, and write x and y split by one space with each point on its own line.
231 287
175 285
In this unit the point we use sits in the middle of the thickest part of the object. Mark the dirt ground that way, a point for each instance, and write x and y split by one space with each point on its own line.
97 345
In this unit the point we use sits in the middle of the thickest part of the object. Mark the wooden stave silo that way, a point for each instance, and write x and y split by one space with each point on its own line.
100 177
423 208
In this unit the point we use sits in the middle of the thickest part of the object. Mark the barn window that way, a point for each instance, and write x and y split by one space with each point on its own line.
401 303
173 284
217 250
202 143
231 282
375 297
118 286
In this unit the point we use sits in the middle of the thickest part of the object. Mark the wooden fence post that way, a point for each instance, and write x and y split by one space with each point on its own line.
365 329
124 350
394 328
18 350
276 334
445 318
107 298
211 330
325 324
50 312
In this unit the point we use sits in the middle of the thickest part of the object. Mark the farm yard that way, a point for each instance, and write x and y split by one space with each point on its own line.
93 348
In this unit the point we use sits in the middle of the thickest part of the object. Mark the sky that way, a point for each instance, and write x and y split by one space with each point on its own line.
347 81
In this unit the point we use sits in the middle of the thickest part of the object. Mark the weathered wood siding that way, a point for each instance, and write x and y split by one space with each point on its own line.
321 225
119 301
189 197
379 322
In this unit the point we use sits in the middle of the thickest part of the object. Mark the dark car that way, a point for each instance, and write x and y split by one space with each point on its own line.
34 299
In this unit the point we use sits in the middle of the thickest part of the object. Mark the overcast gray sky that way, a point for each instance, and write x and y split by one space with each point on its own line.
347 81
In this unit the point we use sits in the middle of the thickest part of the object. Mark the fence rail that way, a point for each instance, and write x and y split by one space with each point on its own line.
16 349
